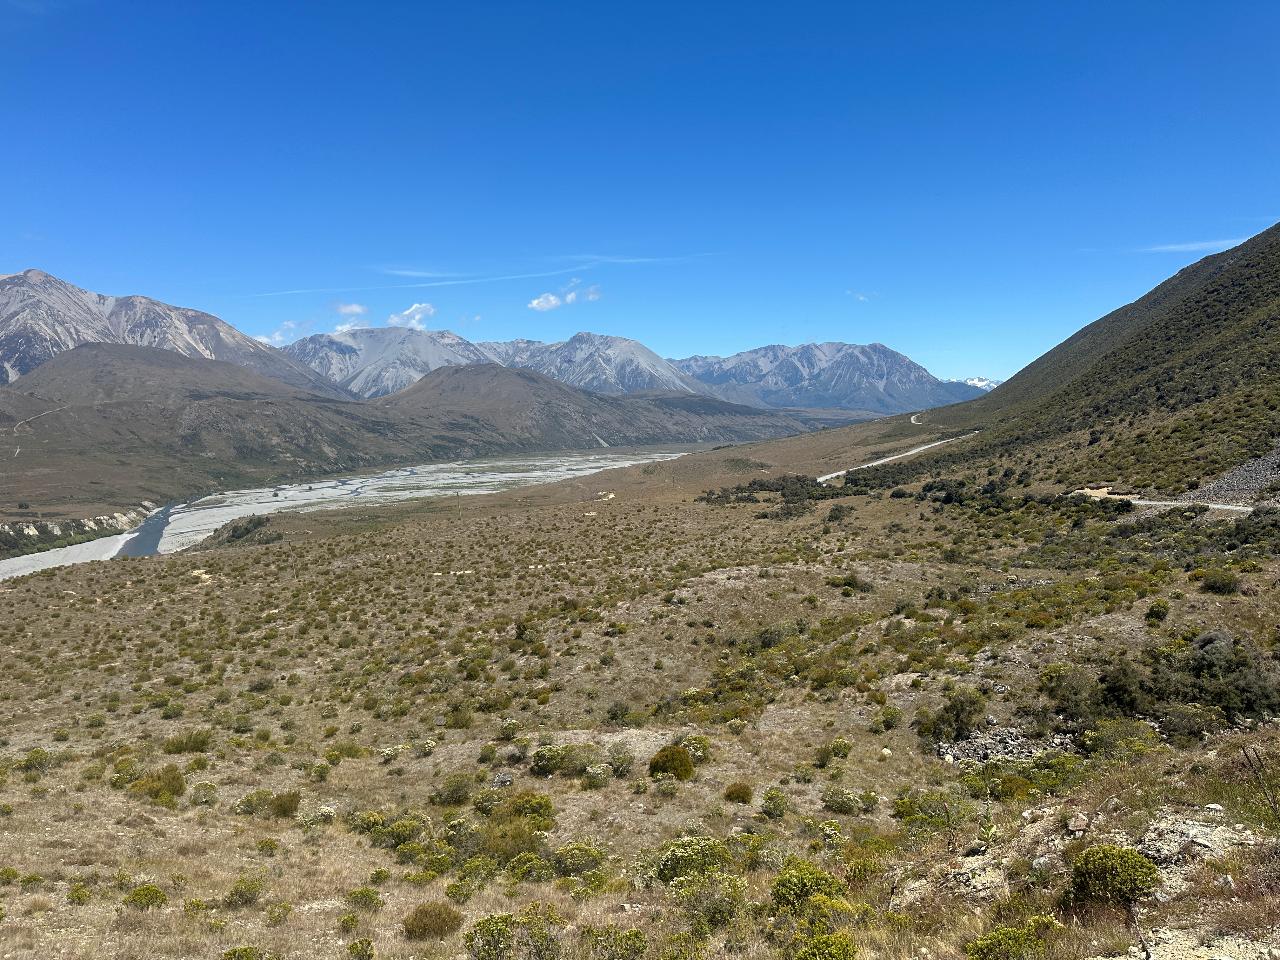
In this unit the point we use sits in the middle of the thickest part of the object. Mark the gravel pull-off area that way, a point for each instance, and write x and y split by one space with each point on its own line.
1245 485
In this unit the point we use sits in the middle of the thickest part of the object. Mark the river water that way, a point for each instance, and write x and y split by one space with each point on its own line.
178 526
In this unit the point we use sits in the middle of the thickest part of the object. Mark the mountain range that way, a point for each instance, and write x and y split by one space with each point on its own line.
41 316
872 379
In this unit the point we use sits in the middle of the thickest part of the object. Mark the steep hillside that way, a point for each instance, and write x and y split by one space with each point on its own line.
1159 395
41 316
839 375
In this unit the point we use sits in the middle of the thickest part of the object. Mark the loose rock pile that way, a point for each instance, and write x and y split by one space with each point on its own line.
1001 744
1243 486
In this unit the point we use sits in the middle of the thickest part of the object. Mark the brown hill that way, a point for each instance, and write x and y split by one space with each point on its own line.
106 426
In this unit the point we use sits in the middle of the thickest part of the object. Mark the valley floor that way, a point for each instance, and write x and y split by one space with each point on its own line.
602 720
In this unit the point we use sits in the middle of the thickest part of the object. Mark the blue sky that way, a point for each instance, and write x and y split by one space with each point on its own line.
967 183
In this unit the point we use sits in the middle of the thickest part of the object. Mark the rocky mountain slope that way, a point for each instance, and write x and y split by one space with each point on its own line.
841 375
376 361
593 361
41 316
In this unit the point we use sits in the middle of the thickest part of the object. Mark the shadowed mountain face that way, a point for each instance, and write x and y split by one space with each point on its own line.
527 408
112 425
41 316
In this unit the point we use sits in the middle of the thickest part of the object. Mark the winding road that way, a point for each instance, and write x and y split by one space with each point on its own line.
36 417
1169 504
897 456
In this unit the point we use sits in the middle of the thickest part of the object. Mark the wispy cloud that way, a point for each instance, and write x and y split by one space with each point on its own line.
580 263
415 317
1194 246
351 309
544 302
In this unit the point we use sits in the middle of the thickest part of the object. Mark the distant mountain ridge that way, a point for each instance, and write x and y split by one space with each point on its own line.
41 316
842 375
382 360
985 384
377 361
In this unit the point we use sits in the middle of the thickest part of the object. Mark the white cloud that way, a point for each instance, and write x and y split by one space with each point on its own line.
277 337
414 317
352 309
1195 246
568 297
544 302
346 327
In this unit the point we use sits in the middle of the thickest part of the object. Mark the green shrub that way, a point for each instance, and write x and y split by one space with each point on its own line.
161 786
284 804
1111 874
687 856
831 946
193 741
247 953
800 880
1221 582
738 792
1026 942
365 898
613 943
245 892
454 790
840 800
432 921
954 720
361 949
711 899
575 859
774 804
492 937
79 894
145 897
277 914
673 760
